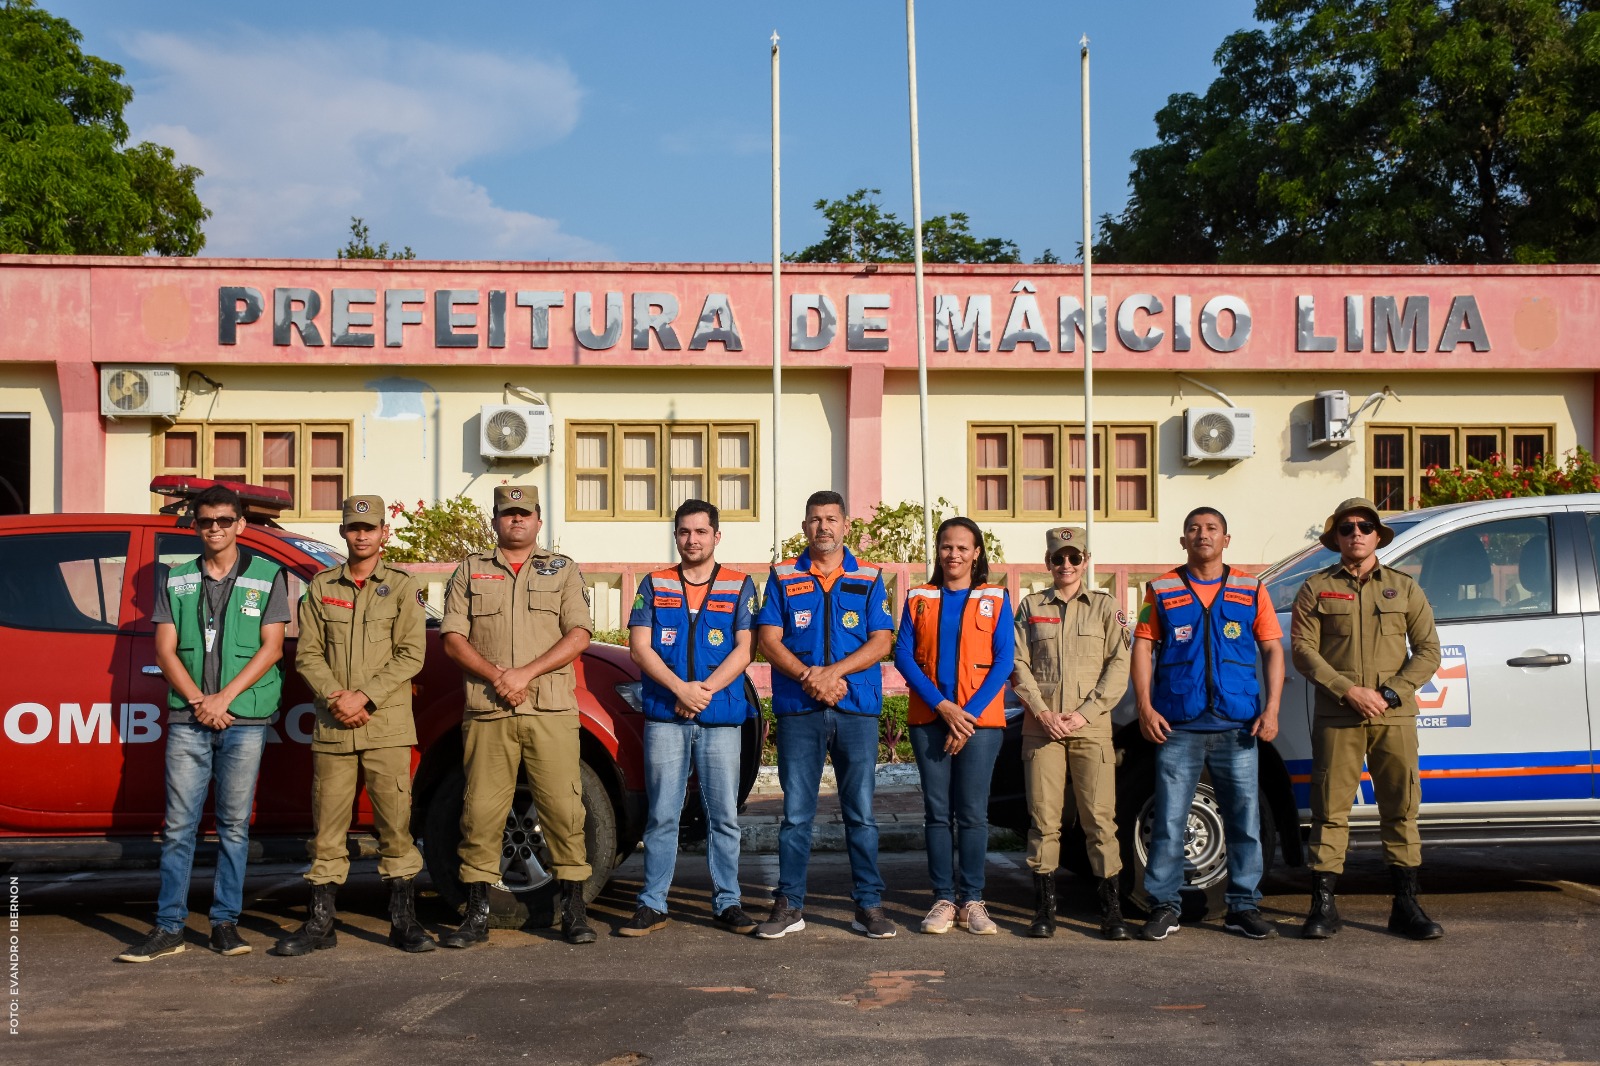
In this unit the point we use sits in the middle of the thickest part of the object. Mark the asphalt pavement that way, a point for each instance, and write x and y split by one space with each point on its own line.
1514 979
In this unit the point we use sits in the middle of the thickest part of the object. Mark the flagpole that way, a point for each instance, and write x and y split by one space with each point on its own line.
922 329
777 314
1088 326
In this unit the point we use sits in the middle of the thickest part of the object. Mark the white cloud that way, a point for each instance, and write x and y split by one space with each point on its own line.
297 134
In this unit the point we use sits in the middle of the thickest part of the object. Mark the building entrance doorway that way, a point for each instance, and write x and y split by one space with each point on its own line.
15 463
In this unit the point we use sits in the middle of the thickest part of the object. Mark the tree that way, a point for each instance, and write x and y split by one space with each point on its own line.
1382 131
68 186
360 245
861 231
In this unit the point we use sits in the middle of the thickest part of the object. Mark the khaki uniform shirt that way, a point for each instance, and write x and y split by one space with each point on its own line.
1347 632
512 619
1071 656
369 639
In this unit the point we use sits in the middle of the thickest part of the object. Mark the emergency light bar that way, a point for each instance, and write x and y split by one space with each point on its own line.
259 501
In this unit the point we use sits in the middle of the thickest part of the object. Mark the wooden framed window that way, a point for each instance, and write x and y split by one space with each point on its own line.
1036 472
308 460
1399 457
644 470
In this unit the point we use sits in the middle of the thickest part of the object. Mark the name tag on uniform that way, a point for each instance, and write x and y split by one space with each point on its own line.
333 601
488 577
668 601
254 612
800 587
1183 600
1336 595
721 606
1239 597
1039 619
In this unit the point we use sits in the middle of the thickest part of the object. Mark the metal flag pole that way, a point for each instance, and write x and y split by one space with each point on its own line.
922 329
1088 325
777 315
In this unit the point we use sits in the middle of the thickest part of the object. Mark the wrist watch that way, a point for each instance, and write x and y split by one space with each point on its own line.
1390 697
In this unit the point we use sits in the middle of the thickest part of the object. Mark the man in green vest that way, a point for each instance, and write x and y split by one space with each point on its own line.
362 638
219 636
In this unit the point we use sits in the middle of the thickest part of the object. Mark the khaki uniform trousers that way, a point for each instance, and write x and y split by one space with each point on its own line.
334 784
1088 766
1389 749
546 745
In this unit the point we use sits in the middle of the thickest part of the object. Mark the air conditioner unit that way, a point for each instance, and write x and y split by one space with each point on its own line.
139 391
507 431
1226 433
1330 419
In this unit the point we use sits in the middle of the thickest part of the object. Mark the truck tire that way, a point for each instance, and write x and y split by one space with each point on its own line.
526 903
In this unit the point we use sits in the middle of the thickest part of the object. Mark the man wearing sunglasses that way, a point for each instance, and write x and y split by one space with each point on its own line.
219 635
1363 634
1071 669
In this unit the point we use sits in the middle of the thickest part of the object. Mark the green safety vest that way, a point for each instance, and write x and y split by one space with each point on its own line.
239 627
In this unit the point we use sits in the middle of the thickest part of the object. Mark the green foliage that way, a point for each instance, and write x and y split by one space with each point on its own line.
894 738
1380 131
611 636
67 184
360 245
861 231
441 532
1501 478
894 535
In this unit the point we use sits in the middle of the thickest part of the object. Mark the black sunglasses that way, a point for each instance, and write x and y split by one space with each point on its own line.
1071 555
219 522
1347 528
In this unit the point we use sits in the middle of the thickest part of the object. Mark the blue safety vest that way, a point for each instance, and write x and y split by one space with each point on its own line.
821 628
693 646
1207 658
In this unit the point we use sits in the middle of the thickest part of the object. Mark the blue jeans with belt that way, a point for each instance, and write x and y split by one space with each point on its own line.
955 806
671 750
198 757
1232 756
804 740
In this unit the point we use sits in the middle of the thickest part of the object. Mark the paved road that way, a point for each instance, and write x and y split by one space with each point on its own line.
1514 979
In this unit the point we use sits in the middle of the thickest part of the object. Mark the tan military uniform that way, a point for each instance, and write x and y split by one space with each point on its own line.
1071 655
511 618
1377 633
369 639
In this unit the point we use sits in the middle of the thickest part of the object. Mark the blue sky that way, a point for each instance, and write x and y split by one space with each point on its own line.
639 131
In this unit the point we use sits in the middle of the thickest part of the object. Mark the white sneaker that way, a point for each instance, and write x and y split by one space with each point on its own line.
974 918
941 918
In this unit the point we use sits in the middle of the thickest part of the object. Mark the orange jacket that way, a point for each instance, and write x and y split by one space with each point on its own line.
976 647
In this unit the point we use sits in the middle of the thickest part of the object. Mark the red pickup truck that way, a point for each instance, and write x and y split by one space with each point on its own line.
83 709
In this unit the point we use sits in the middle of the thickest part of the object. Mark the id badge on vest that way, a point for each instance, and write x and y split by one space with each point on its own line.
211 635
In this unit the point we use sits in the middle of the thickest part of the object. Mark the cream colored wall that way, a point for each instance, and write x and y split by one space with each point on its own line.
412 458
30 389
1272 500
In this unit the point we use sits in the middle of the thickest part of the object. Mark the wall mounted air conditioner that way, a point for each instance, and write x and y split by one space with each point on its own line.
514 431
138 391
1330 419
1226 433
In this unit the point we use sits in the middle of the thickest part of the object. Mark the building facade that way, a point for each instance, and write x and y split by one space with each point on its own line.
654 383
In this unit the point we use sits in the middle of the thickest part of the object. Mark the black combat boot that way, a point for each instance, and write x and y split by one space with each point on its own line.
1406 918
1323 921
475 922
1044 901
574 923
1112 927
317 932
405 932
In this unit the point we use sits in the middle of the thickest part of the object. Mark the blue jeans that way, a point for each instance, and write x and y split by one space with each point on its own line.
852 741
670 750
955 806
197 756
1232 757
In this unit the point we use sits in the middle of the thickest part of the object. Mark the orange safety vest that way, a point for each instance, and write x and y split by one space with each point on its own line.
975 648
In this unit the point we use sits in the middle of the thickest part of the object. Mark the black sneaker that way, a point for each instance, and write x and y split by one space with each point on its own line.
1250 923
1162 924
158 943
871 921
735 920
645 920
225 940
784 919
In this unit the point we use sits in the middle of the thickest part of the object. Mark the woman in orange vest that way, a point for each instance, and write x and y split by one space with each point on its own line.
955 651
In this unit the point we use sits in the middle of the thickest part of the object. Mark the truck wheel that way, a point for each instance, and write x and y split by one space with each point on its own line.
1205 847
530 899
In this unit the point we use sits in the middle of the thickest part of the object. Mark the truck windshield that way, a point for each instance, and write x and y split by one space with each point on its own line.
1283 579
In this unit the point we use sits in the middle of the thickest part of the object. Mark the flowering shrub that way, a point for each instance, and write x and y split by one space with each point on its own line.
1503 478
441 532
